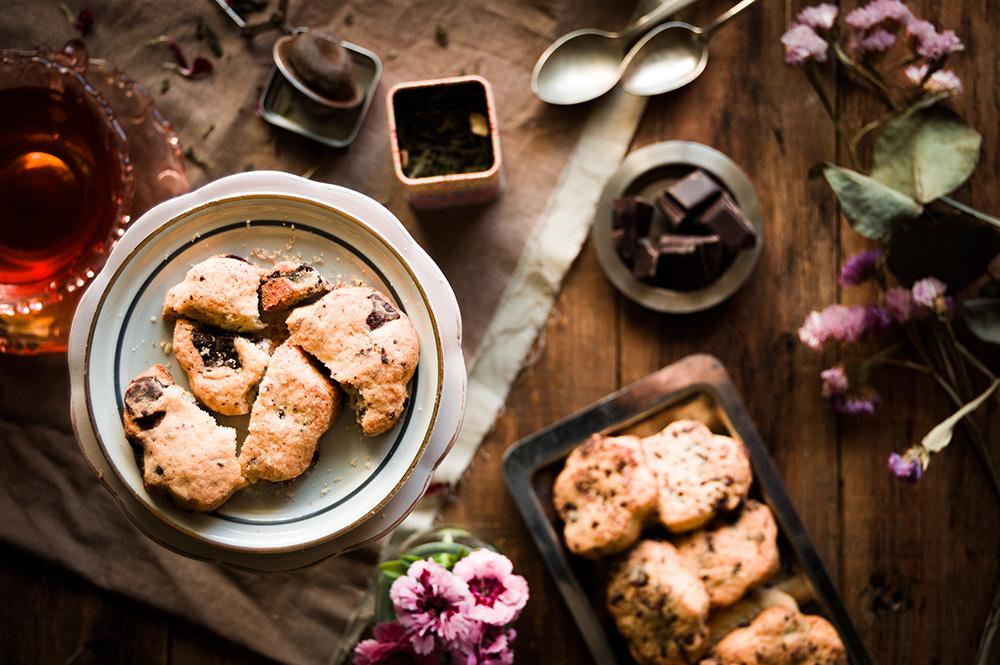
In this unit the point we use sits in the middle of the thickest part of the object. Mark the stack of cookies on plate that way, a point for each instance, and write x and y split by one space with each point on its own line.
678 598
282 345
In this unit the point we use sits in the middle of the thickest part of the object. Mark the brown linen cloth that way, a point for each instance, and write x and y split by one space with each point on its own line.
50 501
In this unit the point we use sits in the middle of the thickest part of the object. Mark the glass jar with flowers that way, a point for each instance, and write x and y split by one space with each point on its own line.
448 598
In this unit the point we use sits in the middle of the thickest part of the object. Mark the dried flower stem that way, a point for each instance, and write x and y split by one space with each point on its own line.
864 74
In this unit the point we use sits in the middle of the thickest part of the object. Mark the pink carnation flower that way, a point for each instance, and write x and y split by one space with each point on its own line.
433 604
842 324
803 44
494 646
818 17
499 595
391 645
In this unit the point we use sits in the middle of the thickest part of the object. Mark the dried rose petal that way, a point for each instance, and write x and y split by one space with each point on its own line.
84 21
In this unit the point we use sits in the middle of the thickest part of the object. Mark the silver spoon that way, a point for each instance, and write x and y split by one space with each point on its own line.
584 64
672 55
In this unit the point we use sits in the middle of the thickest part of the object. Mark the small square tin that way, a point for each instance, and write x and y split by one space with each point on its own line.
453 189
284 106
696 387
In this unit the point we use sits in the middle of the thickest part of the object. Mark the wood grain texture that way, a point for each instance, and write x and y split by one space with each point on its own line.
917 565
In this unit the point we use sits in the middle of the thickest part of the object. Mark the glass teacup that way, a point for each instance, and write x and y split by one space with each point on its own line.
66 189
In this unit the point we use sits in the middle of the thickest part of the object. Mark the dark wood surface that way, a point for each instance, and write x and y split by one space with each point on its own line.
917 565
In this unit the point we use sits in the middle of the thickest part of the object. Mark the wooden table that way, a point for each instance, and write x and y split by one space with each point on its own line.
917 565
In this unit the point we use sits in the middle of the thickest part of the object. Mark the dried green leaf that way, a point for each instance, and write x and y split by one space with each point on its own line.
982 313
955 249
939 437
869 205
926 153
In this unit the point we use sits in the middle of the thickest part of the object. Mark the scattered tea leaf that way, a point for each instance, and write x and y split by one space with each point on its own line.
441 35
204 32
211 128
478 124
192 156
939 437
349 19
868 204
926 153
83 21
200 68
164 86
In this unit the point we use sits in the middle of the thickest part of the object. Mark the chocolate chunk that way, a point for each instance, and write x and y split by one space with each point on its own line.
142 395
679 262
646 259
630 221
694 190
725 219
217 349
672 212
382 312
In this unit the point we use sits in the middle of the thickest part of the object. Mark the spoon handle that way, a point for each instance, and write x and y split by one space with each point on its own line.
653 18
725 18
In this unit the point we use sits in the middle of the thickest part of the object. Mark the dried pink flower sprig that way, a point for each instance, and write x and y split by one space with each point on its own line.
871 30
851 324
463 614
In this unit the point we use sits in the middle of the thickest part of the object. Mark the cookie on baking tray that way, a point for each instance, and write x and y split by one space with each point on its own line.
185 454
732 558
221 291
369 346
781 636
699 473
604 494
289 284
659 606
295 405
223 368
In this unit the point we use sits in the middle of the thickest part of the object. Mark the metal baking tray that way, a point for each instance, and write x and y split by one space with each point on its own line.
283 106
695 387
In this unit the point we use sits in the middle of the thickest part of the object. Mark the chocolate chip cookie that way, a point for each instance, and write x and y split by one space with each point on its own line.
295 405
781 636
369 346
659 606
699 473
223 368
221 291
732 558
603 495
185 454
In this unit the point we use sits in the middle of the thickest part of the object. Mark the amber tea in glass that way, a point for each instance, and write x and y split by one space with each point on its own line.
56 184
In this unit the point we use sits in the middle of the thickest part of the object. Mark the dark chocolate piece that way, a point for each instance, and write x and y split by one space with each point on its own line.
679 262
646 259
725 219
694 190
631 220
672 212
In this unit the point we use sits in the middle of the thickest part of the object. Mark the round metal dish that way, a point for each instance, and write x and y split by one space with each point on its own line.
648 171
360 488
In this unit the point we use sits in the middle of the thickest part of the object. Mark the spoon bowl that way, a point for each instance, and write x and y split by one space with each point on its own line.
584 64
672 55
669 57
580 66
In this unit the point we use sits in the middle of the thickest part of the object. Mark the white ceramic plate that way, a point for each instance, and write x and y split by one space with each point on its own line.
646 172
360 487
